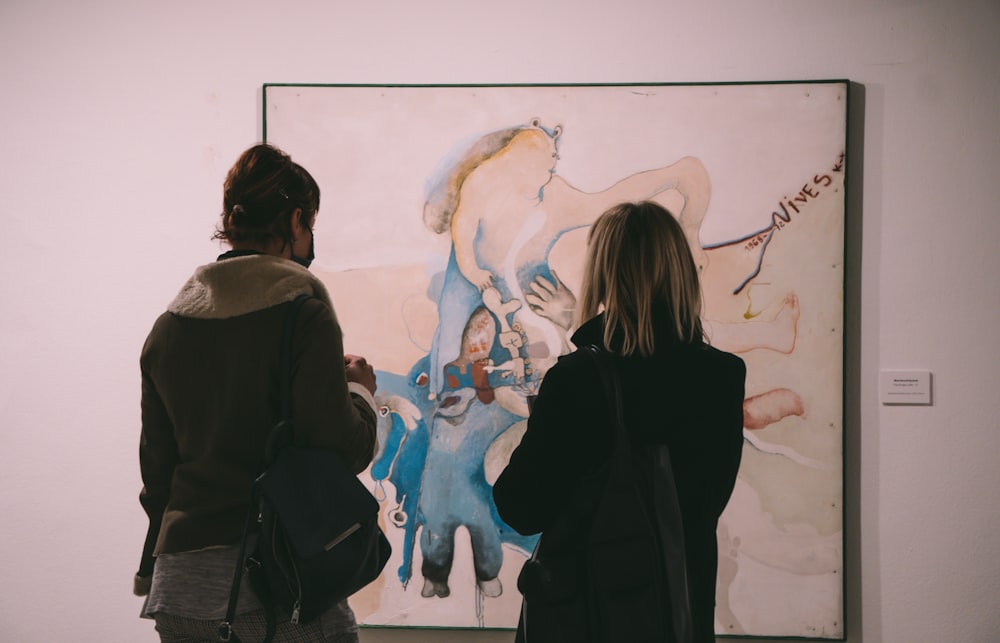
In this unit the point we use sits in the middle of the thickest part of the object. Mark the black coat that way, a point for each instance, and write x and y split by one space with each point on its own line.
687 396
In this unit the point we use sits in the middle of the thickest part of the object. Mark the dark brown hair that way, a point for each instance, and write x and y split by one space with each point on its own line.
261 191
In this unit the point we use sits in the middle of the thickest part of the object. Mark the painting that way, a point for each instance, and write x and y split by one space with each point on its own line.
451 236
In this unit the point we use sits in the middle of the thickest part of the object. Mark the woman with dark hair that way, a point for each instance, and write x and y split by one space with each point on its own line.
210 381
641 302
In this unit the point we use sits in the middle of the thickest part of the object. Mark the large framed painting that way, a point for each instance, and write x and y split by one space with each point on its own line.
451 235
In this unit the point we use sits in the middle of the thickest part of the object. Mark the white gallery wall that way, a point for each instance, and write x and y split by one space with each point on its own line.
119 120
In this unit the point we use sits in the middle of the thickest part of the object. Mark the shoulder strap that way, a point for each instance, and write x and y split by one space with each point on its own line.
283 432
613 389
225 629
285 362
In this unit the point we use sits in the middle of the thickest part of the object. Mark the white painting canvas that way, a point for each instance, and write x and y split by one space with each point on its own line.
451 236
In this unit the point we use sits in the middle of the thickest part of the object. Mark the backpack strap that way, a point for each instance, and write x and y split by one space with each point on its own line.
285 363
225 629
665 510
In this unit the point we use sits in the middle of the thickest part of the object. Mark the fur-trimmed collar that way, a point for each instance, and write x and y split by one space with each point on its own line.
242 285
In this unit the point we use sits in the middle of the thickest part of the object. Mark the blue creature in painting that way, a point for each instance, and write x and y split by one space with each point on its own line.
440 481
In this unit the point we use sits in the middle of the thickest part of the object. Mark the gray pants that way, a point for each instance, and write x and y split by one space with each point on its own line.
250 627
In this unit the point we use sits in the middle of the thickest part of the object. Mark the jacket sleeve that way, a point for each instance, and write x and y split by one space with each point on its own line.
331 413
730 419
561 445
715 465
158 455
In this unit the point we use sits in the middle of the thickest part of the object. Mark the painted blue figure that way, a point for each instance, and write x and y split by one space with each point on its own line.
503 317
482 360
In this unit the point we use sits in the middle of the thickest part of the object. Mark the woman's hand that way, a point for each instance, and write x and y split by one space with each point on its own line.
359 370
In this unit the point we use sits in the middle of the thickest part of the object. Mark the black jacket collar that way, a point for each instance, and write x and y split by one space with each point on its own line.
591 332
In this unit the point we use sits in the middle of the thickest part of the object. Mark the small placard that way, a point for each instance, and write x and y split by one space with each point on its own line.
905 387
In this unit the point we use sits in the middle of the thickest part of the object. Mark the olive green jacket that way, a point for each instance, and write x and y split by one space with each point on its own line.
210 396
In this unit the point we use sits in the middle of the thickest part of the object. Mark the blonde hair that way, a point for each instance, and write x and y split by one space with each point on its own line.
640 269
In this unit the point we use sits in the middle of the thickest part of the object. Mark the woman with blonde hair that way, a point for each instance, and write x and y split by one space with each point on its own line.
640 303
